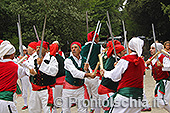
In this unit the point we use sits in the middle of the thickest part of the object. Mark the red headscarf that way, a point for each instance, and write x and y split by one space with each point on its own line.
1 41
91 35
77 43
53 49
118 49
33 45
45 44
110 44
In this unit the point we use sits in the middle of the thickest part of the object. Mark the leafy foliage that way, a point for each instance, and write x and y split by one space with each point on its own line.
66 19
142 13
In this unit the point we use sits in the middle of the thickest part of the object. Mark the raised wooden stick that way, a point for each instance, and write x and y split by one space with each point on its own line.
87 22
36 32
154 56
125 40
101 61
88 56
110 30
42 38
97 66
20 61
166 53
20 35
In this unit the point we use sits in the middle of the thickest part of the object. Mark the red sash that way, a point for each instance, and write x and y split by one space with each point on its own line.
60 80
66 85
50 92
98 74
104 90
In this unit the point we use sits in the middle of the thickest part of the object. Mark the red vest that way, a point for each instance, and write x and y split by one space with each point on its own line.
8 76
158 74
133 76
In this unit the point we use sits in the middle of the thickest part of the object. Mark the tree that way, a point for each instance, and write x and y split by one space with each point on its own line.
64 20
141 14
98 11
166 9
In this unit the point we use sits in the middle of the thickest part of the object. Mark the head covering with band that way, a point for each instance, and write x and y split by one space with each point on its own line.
45 44
6 48
76 43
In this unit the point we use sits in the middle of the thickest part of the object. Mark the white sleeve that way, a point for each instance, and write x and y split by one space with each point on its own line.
102 49
26 67
166 64
116 73
50 68
63 55
69 66
21 72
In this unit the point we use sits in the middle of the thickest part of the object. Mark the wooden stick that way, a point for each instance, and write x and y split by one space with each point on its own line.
21 64
166 53
20 39
99 29
88 57
97 66
20 61
101 61
110 30
124 31
154 37
87 22
36 32
42 38
154 56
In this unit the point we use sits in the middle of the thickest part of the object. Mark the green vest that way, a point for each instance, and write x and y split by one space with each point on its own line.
41 78
94 54
110 63
6 95
70 79
107 82
60 60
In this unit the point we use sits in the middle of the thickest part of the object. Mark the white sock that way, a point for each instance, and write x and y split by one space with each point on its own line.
25 101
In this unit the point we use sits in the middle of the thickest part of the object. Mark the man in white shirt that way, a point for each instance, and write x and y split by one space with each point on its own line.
74 86
9 74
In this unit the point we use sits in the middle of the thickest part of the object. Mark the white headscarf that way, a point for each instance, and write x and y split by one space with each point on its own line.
56 42
24 48
6 48
136 44
158 45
